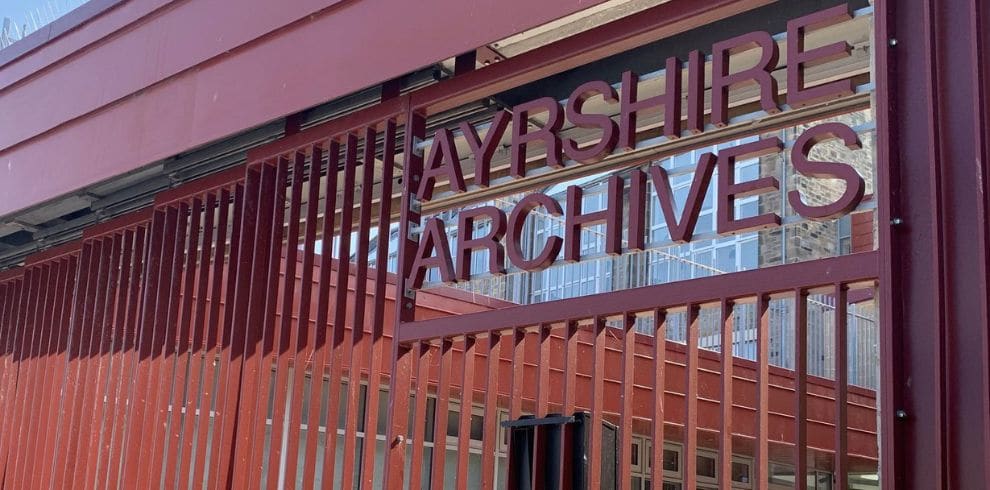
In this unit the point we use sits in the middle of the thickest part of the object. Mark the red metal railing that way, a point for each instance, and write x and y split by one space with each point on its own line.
695 393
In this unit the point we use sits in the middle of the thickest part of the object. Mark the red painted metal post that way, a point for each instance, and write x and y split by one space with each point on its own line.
287 336
628 378
376 363
6 362
27 375
334 387
130 456
569 405
659 389
56 370
761 453
322 345
235 338
691 397
268 350
165 352
45 355
17 290
199 327
51 384
28 378
446 354
114 355
359 338
231 339
10 423
422 375
543 387
84 398
516 387
215 332
544 336
402 360
305 334
177 372
933 149
801 388
725 425
467 408
841 469
252 437
597 403
129 357
490 438
102 352
255 374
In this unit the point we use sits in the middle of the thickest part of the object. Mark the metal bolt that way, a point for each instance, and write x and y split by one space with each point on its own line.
901 414
408 306
892 42
896 222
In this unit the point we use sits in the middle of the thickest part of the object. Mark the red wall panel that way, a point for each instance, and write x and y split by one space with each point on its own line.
146 94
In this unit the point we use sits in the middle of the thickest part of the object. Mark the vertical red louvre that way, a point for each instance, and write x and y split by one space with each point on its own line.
291 378
18 289
77 415
123 241
127 356
152 323
285 334
30 374
94 339
201 266
28 378
54 368
12 287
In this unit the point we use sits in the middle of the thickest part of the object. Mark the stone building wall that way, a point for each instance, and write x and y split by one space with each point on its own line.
812 240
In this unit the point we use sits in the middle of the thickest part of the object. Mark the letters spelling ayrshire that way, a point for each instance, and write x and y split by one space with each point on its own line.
443 161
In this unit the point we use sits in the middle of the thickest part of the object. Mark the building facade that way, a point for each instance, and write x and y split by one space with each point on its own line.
733 244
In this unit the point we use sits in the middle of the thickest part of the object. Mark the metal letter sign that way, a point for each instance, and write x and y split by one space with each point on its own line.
443 163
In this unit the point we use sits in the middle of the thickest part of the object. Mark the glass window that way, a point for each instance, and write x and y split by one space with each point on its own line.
747 171
453 422
749 254
431 408
706 466
740 472
671 460
845 235
706 223
726 258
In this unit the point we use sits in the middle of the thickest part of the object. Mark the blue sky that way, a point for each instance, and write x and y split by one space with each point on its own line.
19 9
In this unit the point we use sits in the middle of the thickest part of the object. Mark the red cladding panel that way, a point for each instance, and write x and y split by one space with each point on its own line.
187 95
